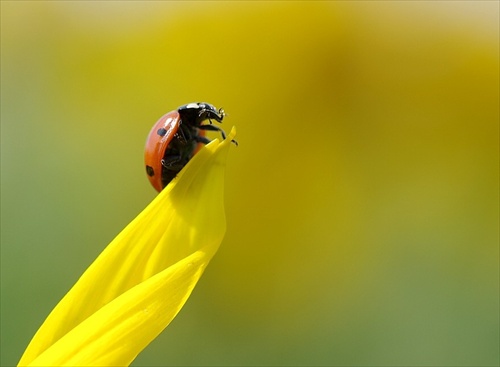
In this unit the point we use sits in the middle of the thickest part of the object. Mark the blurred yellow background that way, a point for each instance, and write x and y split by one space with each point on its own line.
362 202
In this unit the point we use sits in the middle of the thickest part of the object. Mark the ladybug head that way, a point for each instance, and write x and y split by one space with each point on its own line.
195 113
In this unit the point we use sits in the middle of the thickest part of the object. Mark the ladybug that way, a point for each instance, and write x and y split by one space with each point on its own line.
175 138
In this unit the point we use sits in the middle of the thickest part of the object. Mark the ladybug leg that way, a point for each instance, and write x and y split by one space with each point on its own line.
202 139
172 162
183 134
216 128
213 128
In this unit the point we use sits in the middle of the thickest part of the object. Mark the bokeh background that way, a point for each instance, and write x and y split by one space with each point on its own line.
362 202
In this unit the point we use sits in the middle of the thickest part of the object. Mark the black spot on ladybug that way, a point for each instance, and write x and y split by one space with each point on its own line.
150 171
161 132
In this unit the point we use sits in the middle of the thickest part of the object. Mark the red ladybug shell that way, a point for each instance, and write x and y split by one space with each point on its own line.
158 140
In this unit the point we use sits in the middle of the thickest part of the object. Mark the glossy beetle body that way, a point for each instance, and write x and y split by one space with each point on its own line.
175 138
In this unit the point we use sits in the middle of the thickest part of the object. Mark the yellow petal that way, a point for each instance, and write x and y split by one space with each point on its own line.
114 335
186 219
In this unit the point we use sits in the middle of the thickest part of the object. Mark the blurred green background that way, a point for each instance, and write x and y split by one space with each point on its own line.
362 202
